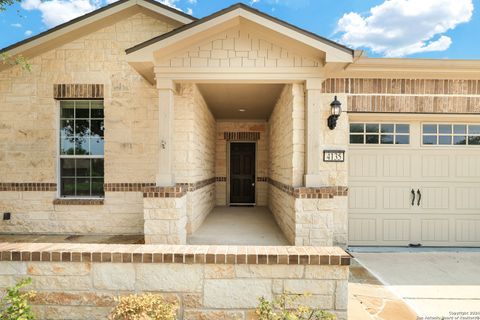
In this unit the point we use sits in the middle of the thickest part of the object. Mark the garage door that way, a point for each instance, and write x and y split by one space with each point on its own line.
414 183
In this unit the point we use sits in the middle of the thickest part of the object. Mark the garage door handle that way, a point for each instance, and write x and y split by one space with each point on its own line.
419 197
413 197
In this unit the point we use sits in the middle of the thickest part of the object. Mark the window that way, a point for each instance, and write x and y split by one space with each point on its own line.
81 148
451 134
379 133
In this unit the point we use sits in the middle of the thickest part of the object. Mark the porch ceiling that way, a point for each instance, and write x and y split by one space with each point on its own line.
226 100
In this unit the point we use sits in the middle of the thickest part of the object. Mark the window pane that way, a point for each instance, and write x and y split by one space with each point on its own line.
387 128
83 167
97 167
66 128
97 187
460 140
354 138
445 140
67 186
371 127
371 139
429 139
96 146
67 146
67 168
402 139
403 128
474 129
67 109
82 128
82 109
356 127
429 128
97 109
445 128
460 129
96 129
81 146
386 139
83 187
474 140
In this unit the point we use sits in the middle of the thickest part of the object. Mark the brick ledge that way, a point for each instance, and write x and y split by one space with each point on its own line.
184 254
78 202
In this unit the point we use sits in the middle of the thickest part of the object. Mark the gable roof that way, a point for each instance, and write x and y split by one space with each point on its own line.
301 33
169 12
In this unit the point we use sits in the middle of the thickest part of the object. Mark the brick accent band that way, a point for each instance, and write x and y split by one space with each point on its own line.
78 91
127 187
165 192
401 86
311 193
262 179
221 179
27 186
61 252
78 202
241 136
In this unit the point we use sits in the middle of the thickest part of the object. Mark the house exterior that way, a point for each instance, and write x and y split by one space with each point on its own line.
140 119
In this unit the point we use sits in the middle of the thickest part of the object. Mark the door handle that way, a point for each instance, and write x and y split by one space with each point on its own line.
419 196
253 184
413 197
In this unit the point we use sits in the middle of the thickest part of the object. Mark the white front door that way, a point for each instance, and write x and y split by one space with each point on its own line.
414 193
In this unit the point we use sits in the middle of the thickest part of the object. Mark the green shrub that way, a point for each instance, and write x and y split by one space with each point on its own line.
286 307
14 303
143 307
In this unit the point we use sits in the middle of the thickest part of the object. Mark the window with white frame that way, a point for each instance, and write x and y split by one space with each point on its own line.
450 134
379 133
81 148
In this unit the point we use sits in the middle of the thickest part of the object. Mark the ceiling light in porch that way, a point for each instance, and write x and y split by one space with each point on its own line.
242 110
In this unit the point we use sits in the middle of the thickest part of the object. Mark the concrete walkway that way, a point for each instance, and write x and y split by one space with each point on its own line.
239 226
433 284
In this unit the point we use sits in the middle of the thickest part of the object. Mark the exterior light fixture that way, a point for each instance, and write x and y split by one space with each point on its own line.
336 110
241 110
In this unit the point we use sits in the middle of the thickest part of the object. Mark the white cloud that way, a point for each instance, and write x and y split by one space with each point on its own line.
55 12
16 25
287 3
192 1
28 33
398 28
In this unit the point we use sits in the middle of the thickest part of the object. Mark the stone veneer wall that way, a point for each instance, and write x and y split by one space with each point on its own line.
286 151
29 121
221 165
81 281
194 152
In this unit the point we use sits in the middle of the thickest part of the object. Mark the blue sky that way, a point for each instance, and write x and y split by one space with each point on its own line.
384 28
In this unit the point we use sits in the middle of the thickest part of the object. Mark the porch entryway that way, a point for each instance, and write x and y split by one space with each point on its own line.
239 226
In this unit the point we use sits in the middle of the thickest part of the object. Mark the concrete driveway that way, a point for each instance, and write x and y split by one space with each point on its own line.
434 284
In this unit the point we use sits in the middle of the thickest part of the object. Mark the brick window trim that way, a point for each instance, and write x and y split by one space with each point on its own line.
78 91
104 253
79 202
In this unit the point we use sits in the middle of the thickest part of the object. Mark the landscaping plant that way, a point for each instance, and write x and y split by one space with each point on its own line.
14 303
286 307
143 307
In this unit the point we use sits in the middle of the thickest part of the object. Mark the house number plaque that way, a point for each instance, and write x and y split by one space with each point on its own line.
333 155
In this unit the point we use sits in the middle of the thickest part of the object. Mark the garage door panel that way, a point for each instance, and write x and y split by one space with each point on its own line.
435 230
397 165
363 165
467 198
362 229
467 166
434 198
362 197
396 230
396 197
467 230
435 166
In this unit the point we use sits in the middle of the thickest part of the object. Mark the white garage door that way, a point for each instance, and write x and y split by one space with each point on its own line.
414 183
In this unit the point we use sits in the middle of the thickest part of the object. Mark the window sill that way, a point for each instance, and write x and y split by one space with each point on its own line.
79 202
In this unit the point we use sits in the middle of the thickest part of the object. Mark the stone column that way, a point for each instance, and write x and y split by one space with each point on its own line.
313 127
166 91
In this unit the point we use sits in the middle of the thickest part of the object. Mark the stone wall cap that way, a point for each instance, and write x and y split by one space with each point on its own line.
185 254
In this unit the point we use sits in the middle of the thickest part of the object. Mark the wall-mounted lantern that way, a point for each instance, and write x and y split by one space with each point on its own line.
336 109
